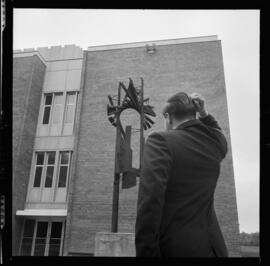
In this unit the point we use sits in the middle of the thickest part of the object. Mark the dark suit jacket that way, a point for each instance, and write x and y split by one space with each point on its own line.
175 212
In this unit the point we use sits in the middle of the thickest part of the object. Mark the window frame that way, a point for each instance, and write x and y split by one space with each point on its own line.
56 173
50 165
63 111
59 166
70 104
36 166
46 105
57 104
44 167
49 220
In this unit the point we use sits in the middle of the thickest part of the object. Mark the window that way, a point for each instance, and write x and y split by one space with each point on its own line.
63 169
47 108
58 113
42 238
45 169
57 108
39 168
41 157
40 241
55 239
70 108
50 169
27 240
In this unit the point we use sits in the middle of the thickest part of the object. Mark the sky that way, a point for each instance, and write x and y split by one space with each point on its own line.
238 31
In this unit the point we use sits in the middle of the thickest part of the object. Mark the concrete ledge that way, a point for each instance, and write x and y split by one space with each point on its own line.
42 212
109 244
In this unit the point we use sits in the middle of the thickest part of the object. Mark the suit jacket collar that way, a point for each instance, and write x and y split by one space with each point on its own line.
188 123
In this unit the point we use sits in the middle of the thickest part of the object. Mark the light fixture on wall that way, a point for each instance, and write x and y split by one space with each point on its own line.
151 49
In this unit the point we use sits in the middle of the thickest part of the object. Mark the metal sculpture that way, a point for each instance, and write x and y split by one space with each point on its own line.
133 99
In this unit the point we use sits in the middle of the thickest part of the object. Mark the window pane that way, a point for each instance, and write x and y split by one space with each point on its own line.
42 229
55 240
54 247
71 97
46 116
51 157
28 233
40 158
64 157
40 247
48 99
56 114
26 248
29 226
38 176
56 230
62 176
49 176
41 239
69 114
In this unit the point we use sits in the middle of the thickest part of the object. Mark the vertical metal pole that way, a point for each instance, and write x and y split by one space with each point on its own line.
141 129
116 173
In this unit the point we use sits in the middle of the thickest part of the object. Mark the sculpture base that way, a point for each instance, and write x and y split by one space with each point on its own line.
109 244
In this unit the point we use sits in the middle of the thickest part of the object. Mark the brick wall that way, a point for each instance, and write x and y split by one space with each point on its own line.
28 76
182 67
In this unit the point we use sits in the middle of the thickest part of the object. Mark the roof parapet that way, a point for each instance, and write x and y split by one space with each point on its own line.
53 53
28 52
156 43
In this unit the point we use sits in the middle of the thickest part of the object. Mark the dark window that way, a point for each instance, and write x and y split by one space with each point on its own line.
49 176
38 175
40 158
46 116
39 167
51 157
62 176
47 109
47 241
27 241
55 239
50 169
48 100
41 235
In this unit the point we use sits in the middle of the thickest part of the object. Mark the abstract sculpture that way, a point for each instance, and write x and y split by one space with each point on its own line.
133 99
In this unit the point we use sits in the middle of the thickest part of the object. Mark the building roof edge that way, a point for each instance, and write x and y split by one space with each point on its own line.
155 42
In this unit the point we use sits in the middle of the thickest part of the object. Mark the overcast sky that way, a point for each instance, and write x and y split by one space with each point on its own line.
238 31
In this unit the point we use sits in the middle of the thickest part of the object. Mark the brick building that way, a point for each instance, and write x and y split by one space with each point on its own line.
63 143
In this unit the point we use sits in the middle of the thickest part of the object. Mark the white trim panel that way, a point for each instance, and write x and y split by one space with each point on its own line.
42 212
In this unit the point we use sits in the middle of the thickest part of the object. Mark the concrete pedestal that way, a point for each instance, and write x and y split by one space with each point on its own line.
109 244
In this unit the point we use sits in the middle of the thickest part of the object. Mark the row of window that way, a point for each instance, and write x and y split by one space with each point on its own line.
58 113
42 238
46 163
51 170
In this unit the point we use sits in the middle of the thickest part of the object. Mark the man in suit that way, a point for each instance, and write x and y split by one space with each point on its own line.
180 169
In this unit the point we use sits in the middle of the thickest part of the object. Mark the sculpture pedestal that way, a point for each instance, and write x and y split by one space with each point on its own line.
109 244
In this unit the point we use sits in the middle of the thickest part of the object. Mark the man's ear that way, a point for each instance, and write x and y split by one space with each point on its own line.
170 119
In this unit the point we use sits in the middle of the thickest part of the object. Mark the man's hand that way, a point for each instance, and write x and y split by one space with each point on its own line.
199 103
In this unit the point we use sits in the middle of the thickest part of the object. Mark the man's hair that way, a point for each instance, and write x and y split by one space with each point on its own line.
180 106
